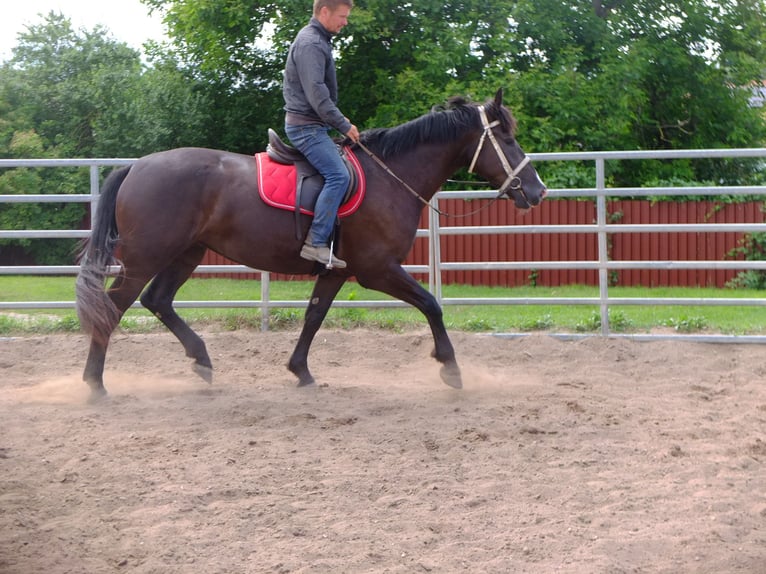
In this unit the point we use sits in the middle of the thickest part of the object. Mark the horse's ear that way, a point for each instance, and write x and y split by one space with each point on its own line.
499 97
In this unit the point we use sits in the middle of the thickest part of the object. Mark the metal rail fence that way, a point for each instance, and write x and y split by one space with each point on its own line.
434 232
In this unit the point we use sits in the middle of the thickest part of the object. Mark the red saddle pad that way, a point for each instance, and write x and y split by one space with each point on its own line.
276 184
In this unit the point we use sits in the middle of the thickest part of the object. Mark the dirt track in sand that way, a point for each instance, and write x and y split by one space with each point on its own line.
584 457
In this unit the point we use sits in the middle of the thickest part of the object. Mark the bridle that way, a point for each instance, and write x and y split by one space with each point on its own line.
512 182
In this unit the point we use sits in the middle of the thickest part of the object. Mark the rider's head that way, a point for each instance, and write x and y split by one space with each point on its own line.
333 14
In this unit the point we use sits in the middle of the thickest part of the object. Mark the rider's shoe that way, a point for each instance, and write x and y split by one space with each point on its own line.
322 254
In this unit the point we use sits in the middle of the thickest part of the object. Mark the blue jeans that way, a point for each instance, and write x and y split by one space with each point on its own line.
316 144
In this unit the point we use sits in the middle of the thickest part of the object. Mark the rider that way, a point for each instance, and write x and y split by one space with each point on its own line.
310 91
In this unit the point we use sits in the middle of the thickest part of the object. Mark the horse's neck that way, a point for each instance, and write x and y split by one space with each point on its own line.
428 167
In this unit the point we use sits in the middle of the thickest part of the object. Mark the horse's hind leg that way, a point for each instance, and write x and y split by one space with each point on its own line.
398 283
123 292
158 299
94 368
325 290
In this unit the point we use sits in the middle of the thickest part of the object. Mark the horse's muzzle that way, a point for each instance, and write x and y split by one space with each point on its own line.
525 200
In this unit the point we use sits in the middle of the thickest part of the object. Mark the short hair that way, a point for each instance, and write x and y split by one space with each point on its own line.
331 4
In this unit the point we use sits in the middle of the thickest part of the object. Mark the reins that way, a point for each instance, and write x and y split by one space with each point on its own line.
511 182
417 196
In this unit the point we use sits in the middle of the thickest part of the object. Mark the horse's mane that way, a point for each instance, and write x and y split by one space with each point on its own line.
442 123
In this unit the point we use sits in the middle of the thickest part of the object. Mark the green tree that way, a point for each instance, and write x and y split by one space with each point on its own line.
395 61
588 74
54 80
68 93
28 144
225 46
88 95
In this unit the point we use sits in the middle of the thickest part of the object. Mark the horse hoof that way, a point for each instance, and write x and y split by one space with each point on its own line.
98 396
307 382
450 374
300 370
205 372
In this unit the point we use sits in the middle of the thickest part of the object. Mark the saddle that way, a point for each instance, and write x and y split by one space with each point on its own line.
309 181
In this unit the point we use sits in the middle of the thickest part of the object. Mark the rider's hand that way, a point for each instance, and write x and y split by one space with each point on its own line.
353 134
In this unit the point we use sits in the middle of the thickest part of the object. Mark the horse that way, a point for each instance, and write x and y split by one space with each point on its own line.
157 217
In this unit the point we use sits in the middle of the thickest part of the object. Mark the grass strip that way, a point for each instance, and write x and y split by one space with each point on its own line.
737 320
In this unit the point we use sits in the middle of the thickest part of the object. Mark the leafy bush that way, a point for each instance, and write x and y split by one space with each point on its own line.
688 324
752 248
538 324
618 321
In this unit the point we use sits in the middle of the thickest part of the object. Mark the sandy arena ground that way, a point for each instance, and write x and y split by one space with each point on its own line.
596 456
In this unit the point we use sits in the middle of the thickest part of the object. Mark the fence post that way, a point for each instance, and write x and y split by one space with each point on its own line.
603 251
265 298
434 252
95 191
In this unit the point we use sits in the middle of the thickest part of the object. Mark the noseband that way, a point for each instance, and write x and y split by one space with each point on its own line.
512 182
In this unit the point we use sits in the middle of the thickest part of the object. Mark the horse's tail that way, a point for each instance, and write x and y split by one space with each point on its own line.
97 313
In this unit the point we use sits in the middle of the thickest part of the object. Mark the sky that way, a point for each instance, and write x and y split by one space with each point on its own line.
127 20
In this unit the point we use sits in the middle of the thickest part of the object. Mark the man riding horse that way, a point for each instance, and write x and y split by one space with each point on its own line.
310 91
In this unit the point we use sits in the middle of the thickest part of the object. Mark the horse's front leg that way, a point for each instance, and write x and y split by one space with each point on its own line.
400 284
325 290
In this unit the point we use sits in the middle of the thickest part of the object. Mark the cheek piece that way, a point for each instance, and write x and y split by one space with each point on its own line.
512 182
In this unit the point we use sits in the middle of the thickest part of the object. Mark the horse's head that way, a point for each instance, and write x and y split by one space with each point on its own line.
498 157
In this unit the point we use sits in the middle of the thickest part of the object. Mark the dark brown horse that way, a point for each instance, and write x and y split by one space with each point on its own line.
165 210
